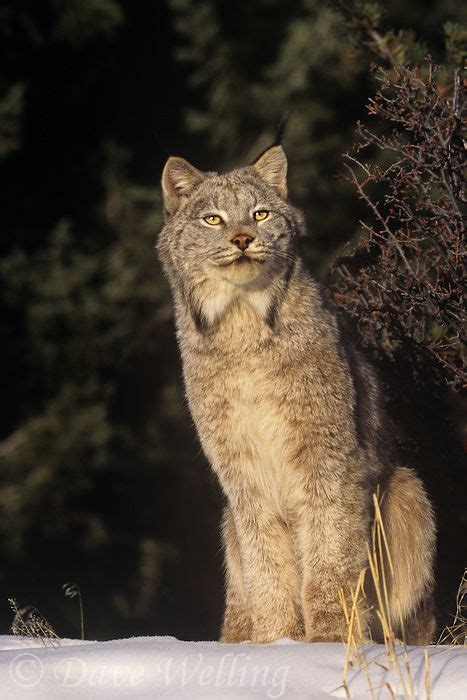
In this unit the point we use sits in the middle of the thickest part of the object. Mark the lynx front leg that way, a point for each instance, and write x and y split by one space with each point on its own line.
333 553
237 620
270 574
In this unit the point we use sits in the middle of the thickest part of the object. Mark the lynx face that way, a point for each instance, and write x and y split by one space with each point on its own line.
229 234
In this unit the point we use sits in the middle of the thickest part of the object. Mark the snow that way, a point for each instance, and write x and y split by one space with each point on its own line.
164 667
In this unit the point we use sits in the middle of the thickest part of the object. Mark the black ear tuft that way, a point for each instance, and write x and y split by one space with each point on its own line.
281 130
279 136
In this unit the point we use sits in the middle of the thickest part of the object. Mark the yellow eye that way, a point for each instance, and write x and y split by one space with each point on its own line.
213 219
261 215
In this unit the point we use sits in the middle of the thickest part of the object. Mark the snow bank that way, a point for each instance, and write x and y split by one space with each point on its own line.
163 667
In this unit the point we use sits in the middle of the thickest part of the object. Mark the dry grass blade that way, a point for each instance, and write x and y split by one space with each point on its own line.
29 622
457 632
427 676
381 569
72 590
384 552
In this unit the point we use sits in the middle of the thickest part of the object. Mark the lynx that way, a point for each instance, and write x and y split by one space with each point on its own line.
289 415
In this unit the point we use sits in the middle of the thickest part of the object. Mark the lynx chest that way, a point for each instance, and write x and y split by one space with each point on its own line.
245 432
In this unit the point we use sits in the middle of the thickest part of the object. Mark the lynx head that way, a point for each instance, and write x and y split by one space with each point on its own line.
228 237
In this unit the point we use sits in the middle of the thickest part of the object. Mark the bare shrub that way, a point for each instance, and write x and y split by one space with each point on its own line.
404 282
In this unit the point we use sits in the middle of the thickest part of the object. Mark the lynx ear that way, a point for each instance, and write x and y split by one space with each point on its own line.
271 166
179 178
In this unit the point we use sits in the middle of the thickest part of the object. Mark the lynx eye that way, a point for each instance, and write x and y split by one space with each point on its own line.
260 215
213 219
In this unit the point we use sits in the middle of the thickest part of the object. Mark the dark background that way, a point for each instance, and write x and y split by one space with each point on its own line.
102 482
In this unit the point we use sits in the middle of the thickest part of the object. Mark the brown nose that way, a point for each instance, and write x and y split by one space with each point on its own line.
242 240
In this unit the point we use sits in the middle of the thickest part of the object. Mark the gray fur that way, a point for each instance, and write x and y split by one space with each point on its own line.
289 415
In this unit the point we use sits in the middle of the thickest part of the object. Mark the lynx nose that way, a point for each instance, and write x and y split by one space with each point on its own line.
242 240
